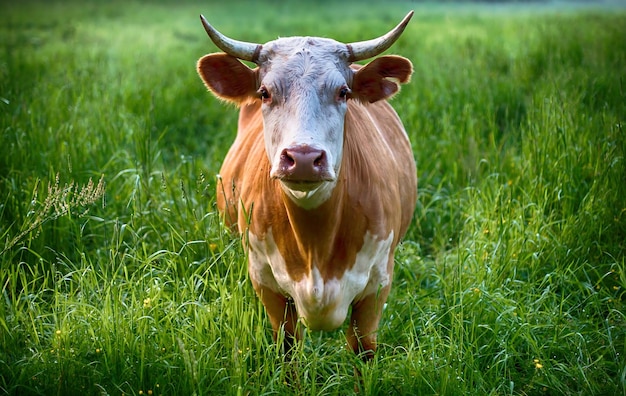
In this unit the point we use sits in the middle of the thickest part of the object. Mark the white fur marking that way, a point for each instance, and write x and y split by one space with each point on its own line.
322 305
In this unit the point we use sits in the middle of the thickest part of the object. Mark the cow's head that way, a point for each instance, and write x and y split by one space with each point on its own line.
303 84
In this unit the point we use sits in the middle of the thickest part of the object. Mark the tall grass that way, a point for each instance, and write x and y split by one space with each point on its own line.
118 278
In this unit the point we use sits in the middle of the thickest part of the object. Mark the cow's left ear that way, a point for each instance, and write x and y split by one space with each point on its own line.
381 78
228 78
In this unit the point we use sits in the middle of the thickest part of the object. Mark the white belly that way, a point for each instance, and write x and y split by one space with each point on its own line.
322 304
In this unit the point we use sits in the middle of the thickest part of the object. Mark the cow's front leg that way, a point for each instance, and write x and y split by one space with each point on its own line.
282 314
364 320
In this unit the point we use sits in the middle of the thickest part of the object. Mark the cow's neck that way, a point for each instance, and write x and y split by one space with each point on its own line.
315 229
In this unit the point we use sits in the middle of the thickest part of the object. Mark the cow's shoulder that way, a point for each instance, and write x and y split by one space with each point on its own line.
244 164
379 167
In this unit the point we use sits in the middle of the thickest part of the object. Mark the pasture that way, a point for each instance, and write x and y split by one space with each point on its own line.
116 276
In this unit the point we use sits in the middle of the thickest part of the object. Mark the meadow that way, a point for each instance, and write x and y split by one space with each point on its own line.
117 277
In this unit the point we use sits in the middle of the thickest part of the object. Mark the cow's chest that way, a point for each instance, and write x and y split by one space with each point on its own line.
322 303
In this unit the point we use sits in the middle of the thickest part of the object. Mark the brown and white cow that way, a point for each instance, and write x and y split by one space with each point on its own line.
321 180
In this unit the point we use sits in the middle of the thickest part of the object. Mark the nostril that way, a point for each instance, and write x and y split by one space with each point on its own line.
286 159
320 161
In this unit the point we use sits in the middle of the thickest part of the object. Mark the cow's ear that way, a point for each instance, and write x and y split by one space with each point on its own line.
228 78
381 78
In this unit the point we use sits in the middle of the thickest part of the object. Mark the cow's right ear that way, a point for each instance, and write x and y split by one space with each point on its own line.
228 78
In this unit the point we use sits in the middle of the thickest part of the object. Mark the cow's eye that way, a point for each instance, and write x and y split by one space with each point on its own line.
264 94
343 93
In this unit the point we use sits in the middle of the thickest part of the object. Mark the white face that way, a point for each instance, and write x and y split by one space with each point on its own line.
304 85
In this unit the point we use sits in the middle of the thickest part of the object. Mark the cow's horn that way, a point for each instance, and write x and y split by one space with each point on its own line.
239 49
370 48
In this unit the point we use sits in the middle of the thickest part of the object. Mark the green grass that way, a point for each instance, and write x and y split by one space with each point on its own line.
510 281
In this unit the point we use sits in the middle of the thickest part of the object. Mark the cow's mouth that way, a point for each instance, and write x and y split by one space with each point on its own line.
307 194
302 185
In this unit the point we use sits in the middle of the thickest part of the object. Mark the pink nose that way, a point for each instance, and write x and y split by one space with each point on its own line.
303 163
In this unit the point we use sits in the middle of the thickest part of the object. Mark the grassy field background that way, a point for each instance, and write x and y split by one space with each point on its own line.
116 276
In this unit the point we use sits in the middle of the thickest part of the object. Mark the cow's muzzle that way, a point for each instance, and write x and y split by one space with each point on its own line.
302 165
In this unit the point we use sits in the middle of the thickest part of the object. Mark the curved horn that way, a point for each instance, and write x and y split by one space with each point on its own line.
370 48
239 49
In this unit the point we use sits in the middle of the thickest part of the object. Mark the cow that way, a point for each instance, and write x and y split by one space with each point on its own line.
321 181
